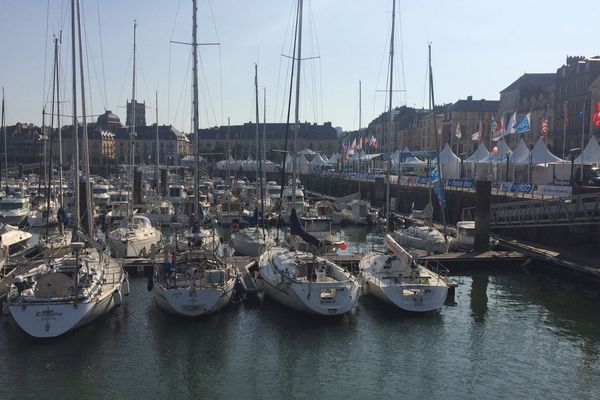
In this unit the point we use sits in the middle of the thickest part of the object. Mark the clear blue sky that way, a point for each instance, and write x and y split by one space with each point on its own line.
479 48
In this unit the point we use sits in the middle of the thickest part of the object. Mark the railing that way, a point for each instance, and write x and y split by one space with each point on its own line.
575 210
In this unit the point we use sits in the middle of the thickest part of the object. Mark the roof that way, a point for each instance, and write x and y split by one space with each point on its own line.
470 105
540 80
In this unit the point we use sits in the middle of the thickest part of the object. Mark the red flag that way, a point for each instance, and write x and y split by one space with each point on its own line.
544 127
597 115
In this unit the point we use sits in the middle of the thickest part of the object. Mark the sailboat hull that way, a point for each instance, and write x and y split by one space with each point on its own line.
190 302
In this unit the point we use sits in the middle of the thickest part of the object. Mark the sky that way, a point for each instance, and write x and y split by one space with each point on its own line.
478 48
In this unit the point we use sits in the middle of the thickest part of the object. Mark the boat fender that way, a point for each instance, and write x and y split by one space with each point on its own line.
118 298
235 227
125 286
150 284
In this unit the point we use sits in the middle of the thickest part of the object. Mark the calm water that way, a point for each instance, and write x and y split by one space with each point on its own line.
510 336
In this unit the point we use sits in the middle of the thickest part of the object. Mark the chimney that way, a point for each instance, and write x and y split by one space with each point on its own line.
469 98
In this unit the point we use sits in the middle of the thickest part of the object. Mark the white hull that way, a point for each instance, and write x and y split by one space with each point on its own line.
13 219
251 243
193 302
398 280
327 297
54 319
128 248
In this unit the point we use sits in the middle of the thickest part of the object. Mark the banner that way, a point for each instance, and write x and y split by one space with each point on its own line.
461 183
554 191
516 187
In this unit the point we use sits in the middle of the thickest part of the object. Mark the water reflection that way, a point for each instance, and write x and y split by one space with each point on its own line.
479 299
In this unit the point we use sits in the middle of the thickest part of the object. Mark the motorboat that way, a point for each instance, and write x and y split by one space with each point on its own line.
397 278
320 228
14 209
465 236
251 241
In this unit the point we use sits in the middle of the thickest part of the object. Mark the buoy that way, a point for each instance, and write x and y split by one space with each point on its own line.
118 298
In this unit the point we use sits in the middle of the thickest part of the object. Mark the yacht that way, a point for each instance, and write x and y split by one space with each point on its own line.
101 195
251 241
40 215
136 237
319 227
422 237
70 292
397 278
14 210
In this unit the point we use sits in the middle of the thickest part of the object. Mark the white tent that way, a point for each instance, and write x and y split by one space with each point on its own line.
334 158
591 153
521 154
481 155
450 163
303 164
501 153
541 155
317 161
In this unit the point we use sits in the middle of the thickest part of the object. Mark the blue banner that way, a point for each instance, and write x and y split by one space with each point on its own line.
423 154
461 183
516 187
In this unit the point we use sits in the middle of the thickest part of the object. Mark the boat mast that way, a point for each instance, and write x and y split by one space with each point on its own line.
49 187
359 135
5 155
75 123
86 149
195 109
257 125
132 136
157 154
437 146
297 110
391 122
60 154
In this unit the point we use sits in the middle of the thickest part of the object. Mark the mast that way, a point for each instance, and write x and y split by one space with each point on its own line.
60 154
437 144
391 121
359 135
75 124
264 141
228 148
257 123
297 111
49 187
132 135
157 154
86 149
195 108
5 155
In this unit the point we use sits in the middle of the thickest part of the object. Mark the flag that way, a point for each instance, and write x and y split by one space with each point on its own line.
458 133
366 140
498 129
493 125
477 135
373 142
437 187
523 125
354 144
510 127
596 115
544 127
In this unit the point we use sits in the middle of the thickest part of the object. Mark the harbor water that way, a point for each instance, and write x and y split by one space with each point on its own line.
517 335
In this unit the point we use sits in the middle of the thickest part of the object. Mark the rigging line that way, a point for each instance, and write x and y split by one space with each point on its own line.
281 60
401 42
169 74
101 52
425 85
126 76
221 85
212 17
184 85
44 98
208 92
86 50
318 90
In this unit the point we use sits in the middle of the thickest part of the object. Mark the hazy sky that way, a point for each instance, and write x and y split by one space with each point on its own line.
479 48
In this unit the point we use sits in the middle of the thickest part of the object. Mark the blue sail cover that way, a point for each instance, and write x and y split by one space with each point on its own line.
297 229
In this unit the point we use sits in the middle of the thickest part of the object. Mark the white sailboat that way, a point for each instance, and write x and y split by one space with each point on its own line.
398 279
136 236
302 280
253 240
193 282
75 289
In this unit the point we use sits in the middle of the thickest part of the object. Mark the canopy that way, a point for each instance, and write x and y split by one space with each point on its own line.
450 163
503 151
481 155
307 152
521 154
334 158
317 161
591 153
541 155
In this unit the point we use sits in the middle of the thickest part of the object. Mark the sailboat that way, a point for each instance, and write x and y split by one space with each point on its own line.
75 289
252 241
303 280
136 236
193 281
397 278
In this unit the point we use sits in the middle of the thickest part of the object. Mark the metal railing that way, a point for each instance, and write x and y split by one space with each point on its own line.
575 210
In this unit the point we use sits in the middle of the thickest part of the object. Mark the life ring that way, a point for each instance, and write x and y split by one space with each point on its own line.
235 227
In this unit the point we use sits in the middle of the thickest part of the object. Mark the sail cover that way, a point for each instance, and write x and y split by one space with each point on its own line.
297 229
